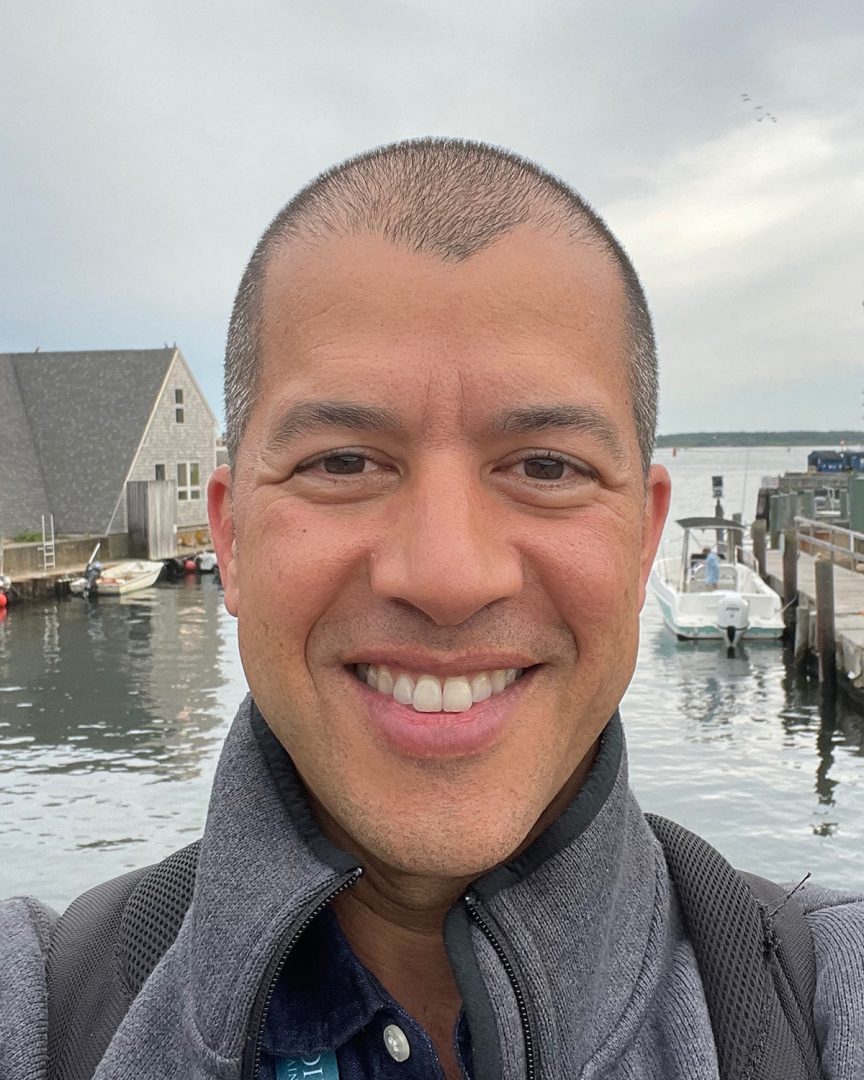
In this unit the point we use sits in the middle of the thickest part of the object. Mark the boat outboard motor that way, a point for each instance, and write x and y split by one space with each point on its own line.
92 571
733 615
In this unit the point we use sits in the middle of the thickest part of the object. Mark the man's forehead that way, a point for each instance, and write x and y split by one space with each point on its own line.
547 276
364 336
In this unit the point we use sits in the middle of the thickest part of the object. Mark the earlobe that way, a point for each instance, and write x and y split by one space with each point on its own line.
220 510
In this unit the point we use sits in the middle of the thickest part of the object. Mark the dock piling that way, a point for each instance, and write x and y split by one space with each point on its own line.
825 643
790 575
802 634
759 533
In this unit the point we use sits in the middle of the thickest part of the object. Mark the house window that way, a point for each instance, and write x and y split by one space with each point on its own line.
178 396
160 472
178 414
188 480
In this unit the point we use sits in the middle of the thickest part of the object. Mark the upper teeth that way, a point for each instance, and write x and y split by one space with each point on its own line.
428 693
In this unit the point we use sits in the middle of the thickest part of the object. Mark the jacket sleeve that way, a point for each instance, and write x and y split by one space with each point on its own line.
25 931
838 937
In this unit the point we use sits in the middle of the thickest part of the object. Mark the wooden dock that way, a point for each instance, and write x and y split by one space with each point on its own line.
848 611
39 584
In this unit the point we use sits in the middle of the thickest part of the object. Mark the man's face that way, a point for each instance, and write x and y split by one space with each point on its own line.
440 476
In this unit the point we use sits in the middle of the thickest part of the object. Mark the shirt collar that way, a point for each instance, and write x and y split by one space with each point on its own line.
325 997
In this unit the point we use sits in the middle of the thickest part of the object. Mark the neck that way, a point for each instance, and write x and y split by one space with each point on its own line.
394 920
396 929
394 923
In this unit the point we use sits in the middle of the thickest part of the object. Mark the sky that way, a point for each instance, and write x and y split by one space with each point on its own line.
145 146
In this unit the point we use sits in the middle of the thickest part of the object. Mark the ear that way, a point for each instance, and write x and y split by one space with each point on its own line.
657 495
220 510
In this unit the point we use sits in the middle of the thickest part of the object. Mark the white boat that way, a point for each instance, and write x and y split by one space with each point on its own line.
740 605
206 562
122 578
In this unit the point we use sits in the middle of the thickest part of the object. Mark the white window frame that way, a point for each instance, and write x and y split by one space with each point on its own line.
187 490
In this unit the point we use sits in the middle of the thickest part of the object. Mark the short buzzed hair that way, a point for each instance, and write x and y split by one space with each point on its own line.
446 197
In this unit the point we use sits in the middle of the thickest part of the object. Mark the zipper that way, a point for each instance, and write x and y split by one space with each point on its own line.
472 905
277 966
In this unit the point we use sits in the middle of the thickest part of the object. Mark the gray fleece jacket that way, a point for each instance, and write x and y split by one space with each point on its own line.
586 918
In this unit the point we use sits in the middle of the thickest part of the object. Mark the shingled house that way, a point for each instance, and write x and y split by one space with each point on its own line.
76 426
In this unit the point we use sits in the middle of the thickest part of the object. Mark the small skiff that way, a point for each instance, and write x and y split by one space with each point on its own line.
123 578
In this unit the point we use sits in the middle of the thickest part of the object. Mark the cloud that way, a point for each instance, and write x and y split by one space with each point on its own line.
145 146
744 244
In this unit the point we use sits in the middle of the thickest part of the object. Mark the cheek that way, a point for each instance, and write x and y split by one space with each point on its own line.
592 576
293 566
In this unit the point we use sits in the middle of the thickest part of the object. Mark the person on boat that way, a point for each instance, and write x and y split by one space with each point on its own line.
712 568
422 857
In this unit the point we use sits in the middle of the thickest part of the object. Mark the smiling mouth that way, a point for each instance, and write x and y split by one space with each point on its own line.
429 694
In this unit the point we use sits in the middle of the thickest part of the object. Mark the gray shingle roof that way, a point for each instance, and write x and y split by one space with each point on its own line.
22 492
86 413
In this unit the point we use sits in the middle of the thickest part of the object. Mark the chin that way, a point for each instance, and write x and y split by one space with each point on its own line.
455 850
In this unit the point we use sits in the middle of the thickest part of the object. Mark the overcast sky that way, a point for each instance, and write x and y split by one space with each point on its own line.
144 147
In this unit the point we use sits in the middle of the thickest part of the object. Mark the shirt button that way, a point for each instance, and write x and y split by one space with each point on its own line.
396 1043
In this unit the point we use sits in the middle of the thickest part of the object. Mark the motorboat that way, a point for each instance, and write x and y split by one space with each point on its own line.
118 580
737 605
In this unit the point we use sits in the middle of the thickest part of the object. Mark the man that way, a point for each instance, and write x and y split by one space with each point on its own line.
422 858
712 568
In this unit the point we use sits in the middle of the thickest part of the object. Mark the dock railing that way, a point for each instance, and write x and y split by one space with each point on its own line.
844 547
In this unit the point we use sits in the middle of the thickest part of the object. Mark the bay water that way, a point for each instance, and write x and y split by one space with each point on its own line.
112 715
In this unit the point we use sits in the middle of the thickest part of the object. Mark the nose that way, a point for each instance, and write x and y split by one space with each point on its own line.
447 553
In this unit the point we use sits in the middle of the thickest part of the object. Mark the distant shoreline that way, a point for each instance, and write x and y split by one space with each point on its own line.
812 439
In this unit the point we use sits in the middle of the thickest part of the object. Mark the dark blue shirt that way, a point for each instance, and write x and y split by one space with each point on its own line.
328 1010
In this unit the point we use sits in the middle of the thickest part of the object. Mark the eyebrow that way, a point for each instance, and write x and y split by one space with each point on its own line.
311 416
583 419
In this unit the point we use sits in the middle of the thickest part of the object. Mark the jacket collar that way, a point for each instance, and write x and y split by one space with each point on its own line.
578 902
585 920
262 868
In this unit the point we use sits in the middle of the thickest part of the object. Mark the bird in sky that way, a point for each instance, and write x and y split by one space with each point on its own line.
764 114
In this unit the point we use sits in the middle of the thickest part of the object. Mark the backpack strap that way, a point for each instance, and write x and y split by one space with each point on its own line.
789 941
756 958
102 950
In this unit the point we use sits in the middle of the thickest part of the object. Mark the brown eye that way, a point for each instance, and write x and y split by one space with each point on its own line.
344 463
543 469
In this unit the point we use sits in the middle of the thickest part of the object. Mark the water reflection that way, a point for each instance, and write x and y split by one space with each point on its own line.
125 683
726 742
111 718
715 684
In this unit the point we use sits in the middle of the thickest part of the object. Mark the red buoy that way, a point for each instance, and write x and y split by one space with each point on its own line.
189 565
4 600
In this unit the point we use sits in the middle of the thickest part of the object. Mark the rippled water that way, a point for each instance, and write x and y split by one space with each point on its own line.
112 715
111 718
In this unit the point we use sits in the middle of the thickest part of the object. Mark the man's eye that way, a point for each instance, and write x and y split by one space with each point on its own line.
541 468
346 463
343 464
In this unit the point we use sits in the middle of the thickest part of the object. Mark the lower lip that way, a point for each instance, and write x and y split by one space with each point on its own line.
440 734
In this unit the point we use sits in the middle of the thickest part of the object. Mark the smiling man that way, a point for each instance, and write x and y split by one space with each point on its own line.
422 858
